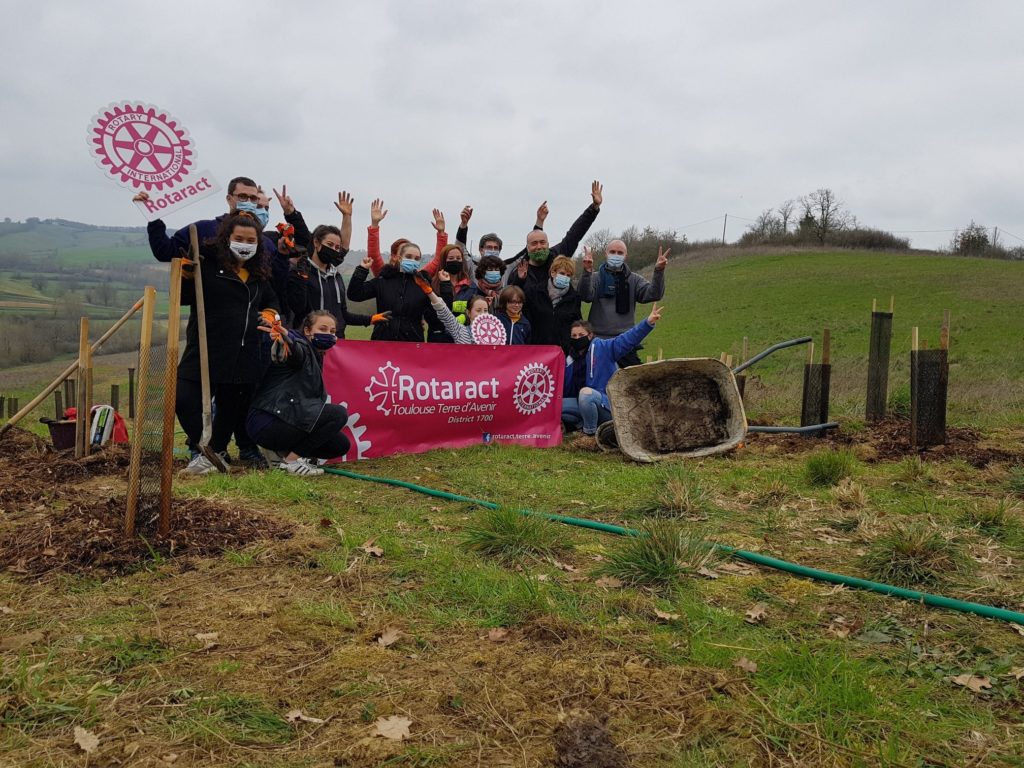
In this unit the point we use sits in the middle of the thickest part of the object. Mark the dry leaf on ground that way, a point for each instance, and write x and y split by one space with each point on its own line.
739 570
388 637
87 741
49 552
395 727
609 581
14 642
756 614
208 639
745 664
498 635
975 683
708 573
370 547
665 616
297 715
1016 673
564 566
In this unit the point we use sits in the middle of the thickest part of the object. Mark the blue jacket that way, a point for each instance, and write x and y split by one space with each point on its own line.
602 359
517 332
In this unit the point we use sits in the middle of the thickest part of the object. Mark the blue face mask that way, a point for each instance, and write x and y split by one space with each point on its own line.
410 265
615 261
561 281
323 341
492 277
263 215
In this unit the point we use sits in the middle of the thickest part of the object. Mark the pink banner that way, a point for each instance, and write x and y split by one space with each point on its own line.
410 398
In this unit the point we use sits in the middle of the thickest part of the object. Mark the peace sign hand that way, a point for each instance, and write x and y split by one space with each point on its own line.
344 204
588 259
287 204
662 259
655 315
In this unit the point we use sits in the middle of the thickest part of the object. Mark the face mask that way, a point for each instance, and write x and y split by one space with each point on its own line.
579 346
615 261
246 207
490 252
453 267
242 251
561 281
329 256
492 277
323 341
539 257
410 265
263 216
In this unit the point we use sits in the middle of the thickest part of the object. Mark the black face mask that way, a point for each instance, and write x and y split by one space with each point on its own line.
453 267
329 256
579 346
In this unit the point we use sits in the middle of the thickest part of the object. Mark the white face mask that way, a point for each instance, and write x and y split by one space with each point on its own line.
242 251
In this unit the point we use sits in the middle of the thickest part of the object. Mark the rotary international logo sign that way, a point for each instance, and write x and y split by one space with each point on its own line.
143 148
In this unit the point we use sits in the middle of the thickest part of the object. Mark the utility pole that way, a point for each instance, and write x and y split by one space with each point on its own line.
995 236
724 222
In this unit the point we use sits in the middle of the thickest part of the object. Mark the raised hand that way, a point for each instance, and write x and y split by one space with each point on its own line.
438 223
662 259
287 204
522 268
344 204
141 197
466 215
588 259
377 212
597 193
655 315
380 317
366 262
443 276
542 214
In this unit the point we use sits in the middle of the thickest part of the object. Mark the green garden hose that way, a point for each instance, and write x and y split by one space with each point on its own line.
937 601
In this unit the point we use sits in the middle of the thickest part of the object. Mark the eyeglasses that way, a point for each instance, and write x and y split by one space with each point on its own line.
246 198
513 301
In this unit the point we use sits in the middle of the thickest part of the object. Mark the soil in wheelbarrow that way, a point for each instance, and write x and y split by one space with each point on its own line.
62 514
887 440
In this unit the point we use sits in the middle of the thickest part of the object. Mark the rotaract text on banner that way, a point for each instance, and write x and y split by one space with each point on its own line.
408 398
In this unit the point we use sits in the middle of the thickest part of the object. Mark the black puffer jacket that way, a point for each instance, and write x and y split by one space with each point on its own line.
398 293
551 323
293 390
238 350
310 289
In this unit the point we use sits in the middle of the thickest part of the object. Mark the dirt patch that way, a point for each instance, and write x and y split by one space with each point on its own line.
58 514
582 740
888 440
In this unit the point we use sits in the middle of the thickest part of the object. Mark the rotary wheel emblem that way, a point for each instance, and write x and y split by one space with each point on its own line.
487 329
140 145
535 388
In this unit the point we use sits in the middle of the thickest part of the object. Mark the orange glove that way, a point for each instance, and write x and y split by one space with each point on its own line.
382 317
287 235
423 283
270 322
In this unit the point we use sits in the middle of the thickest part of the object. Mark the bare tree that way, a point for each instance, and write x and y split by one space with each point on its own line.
827 212
786 213
598 240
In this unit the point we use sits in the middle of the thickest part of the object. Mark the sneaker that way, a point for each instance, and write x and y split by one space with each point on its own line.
199 465
253 459
300 467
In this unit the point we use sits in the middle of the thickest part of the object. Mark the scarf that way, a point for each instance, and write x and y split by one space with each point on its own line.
614 284
556 294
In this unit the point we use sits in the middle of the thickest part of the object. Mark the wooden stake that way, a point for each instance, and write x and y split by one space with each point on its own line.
81 420
914 345
874 306
944 338
69 371
170 393
728 361
661 354
138 424
810 353
650 358
892 304
743 354
721 358
826 347
58 405
924 343
87 445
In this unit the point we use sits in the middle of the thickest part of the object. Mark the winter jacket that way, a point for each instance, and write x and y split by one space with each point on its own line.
236 347
516 331
377 261
293 389
567 247
602 359
165 248
606 321
436 332
551 323
396 292
310 288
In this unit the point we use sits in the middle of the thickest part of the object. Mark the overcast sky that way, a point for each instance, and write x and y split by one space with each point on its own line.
909 110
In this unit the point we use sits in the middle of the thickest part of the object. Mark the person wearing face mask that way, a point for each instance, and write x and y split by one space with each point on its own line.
301 234
289 412
509 310
475 306
614 291
457 286
377 214
315 282
588 368
236 288
488 274
539 255
491 244
552 306
396 293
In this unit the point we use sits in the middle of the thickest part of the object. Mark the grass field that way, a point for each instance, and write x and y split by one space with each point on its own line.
495 642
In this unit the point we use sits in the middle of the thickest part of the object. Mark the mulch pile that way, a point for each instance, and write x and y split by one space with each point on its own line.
62 514
888 440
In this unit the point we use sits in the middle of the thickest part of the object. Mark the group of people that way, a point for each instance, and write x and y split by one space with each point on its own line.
276 301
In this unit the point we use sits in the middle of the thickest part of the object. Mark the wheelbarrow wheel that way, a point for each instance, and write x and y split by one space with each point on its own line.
606 438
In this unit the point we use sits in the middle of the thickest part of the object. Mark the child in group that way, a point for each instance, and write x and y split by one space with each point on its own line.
509 310
588 369
236 287
475 306
289 412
